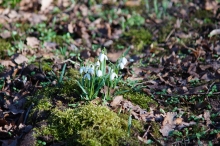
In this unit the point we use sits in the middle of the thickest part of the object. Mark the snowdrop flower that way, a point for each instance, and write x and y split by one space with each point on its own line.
99 73
113 75
87 76
102 57
123 60
91 71
86 69
121 65
110 69
97 63
81 70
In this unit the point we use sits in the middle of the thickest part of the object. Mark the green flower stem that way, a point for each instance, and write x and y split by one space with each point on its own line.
92 87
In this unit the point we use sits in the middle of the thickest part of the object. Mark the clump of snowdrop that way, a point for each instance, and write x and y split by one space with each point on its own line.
94 76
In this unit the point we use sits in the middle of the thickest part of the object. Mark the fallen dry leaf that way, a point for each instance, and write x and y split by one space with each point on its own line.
168 124
165 130
207 117
19 59
116 101
214 32
7 63
33 42
133 3
45 4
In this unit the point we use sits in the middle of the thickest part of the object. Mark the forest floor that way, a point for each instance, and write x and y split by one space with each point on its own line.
93 72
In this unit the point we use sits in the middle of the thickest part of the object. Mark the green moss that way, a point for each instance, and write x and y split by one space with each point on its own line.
202 14
73 73
165 30
44 104
139 37
59 40
45 99
45 65
10 3
155 130
137 126
4 47
87 125
23 27
2 68
140 99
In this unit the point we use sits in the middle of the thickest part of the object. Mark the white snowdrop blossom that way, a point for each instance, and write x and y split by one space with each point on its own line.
97 63
123 60
121 65
113 75
87 76
102 57
81 70
86 69
91 71
110 70
99 73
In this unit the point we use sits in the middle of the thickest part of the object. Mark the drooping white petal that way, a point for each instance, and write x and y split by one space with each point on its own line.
121 65
81 70
106 58
110 70
99 73
91 71
97 63
87 76
102 57
124 60
113 75
86 69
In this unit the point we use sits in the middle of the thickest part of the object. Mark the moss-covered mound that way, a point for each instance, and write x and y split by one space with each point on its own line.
87 125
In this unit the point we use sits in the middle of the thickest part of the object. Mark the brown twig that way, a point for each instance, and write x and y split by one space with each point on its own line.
169 34
145 134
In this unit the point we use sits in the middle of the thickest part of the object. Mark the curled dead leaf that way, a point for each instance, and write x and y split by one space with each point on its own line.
214 32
